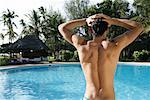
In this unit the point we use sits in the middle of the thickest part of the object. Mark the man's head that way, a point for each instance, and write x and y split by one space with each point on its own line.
99 27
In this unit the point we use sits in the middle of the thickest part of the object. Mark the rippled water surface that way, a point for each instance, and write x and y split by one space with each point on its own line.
66 82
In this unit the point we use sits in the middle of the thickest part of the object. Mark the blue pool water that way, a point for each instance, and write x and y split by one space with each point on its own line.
66 82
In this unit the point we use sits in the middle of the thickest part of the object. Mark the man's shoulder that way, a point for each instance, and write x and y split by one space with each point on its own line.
113 46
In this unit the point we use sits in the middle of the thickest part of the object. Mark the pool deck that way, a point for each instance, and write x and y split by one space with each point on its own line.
26 65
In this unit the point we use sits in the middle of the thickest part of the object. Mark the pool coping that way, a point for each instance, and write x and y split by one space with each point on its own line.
135 63
28 65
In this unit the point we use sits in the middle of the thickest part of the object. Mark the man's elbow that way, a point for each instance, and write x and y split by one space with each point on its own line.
60 27
140 27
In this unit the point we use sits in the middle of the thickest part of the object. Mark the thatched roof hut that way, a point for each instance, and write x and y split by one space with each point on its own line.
29 42
30 46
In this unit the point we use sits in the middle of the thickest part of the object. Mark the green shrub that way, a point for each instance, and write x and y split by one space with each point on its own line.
50 59
141 55
75 56
4 61
65 55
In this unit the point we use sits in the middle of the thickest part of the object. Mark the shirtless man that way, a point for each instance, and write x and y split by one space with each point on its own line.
99 57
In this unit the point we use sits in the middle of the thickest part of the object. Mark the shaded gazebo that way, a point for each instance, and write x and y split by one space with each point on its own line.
30 46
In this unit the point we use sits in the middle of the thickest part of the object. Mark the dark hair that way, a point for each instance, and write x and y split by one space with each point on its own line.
99 27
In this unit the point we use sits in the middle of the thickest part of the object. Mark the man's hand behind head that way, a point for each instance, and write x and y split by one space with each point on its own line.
100 16
94 18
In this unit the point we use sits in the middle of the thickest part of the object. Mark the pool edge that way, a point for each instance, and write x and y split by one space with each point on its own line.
28 65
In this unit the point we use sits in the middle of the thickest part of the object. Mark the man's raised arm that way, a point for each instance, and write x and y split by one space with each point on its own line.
66 28
134 29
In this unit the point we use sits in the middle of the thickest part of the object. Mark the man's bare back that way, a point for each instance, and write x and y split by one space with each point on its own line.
99 57
99 62
88 55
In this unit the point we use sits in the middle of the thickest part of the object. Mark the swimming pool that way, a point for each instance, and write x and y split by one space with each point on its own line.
66 82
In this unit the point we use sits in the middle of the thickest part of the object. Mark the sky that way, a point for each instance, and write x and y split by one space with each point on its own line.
22 7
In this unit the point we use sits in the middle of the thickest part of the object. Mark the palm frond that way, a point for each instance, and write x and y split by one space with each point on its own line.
14 25
2 36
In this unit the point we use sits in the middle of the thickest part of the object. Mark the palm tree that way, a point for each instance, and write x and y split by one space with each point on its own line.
8 17
34 24
49 26
25 30
2 37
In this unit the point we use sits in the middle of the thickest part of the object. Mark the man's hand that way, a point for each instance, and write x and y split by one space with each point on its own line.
100 16
89 21
93 18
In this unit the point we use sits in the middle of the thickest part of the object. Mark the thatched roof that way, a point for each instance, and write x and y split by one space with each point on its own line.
4 48
29 42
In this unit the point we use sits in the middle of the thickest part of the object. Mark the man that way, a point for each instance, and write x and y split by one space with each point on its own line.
99 57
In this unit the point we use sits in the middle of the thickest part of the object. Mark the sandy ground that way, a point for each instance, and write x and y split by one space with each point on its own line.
26 65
